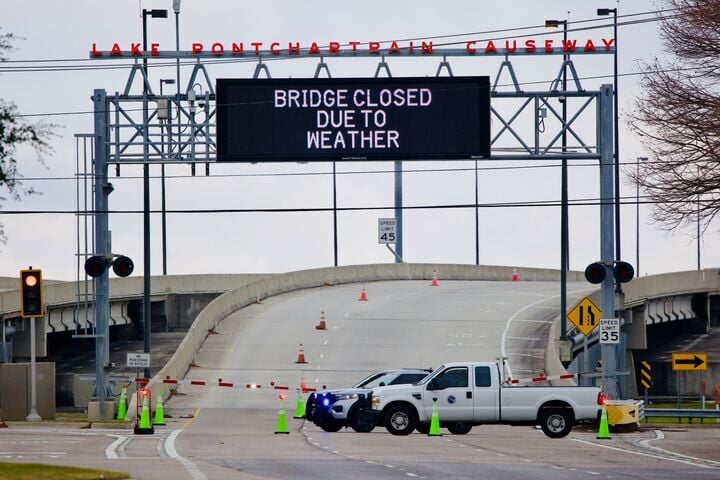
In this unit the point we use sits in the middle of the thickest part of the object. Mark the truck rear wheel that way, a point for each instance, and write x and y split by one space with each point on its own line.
400 420
459 428
556 423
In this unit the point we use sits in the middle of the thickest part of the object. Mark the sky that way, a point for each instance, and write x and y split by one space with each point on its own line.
64 32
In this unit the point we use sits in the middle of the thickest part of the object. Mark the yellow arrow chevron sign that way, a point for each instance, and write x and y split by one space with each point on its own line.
689 361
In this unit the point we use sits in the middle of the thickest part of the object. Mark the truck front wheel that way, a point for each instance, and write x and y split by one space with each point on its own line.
459 428
556 423
400 420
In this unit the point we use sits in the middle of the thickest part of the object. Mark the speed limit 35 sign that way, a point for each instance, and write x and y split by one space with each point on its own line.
609 330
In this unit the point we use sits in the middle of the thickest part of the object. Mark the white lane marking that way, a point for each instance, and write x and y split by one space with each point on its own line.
33 453
322 355
659 435
110 451
325 342
591 472
390 466
191 468
556 467
524 320
410 474
643 454
514 318
370 462
534 339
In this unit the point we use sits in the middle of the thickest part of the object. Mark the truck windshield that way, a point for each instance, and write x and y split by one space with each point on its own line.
375 380
431 375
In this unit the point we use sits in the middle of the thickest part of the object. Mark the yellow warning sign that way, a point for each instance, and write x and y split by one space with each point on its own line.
689 361
645 374
585 316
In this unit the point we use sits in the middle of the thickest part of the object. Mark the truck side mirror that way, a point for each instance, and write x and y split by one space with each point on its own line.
432 385
382 384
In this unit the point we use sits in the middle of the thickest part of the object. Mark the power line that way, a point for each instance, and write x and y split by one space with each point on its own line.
352 172
589 202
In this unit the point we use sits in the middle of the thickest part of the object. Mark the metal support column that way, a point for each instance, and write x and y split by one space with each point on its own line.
398 212
102 190
607 230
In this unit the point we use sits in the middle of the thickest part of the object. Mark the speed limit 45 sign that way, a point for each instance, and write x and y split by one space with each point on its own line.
387 230
609 330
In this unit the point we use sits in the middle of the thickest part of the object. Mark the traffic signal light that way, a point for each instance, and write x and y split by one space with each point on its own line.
623 272
31 294
595 272
96 265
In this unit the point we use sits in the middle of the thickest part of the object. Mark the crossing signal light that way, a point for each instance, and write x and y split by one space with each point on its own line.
123 266
595 273
97 264
31 297
623 272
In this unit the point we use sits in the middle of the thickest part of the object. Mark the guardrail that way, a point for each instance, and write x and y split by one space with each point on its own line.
681 413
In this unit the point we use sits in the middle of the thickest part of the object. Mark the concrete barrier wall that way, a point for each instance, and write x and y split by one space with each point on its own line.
65 293
234 300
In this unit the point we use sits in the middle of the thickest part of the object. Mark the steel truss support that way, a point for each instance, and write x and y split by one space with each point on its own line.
125 139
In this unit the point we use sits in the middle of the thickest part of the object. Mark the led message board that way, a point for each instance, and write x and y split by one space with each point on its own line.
346 119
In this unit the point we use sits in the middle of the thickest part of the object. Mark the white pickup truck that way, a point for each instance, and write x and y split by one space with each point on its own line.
471 393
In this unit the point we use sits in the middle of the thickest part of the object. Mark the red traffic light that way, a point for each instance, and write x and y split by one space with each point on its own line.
31 280
31 294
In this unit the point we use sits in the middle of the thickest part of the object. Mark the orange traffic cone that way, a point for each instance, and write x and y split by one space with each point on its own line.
434 280
363 296
514 275
321 325
301 356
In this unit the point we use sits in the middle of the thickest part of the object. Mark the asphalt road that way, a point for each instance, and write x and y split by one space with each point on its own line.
222 433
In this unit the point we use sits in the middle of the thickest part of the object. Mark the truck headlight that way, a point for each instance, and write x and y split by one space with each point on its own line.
376 403
345 396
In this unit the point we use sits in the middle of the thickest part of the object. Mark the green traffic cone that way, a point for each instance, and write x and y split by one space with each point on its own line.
122 406
604 430
281 426
300 406
159 415
434 421
144 427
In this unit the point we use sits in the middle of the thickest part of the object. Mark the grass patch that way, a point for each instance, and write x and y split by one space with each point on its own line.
31 471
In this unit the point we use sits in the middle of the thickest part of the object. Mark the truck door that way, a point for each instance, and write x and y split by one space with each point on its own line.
454 395
485 396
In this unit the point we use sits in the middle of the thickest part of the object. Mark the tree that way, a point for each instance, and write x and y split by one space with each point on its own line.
678 117
14 132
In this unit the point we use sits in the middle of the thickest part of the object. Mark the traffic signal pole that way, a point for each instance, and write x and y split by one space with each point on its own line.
607 231
102 191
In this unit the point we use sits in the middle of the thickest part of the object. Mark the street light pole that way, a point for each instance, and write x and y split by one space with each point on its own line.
146 191
564 235
618 255
637 212
168 81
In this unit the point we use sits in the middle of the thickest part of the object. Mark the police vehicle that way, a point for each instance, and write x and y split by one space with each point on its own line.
332 410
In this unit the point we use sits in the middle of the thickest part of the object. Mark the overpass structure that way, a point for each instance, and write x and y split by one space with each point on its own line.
683 303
